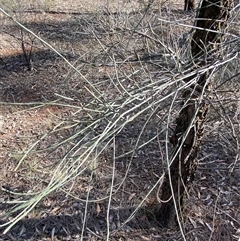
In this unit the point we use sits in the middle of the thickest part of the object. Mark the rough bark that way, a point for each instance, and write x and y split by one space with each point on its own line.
189 5
189 125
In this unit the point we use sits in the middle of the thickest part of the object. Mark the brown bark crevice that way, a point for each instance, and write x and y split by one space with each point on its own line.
189 129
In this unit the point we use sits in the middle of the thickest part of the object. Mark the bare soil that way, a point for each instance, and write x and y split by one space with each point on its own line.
46 97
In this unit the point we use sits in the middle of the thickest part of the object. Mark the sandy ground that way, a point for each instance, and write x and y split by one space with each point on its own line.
213 205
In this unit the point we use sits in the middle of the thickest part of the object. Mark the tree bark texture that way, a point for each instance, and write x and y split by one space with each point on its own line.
189 130
189 5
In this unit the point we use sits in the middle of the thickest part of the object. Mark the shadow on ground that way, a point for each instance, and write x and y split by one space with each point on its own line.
66 226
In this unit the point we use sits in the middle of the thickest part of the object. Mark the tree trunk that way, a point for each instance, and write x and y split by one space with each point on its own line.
189 129
189 5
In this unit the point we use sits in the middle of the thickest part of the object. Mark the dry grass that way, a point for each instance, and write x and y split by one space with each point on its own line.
51 117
